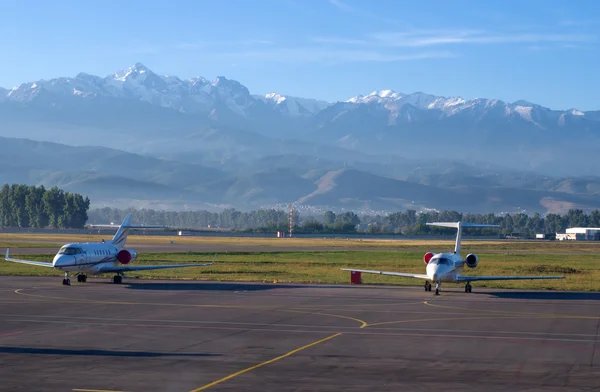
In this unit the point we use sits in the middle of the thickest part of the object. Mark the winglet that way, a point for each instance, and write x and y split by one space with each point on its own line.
7 254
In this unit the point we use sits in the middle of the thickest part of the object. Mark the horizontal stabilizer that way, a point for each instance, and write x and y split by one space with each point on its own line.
456 224
459 226
130 227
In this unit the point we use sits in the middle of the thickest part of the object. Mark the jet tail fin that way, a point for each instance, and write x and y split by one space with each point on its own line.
120 236
458 226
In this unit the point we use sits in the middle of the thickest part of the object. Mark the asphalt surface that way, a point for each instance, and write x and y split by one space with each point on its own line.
192 336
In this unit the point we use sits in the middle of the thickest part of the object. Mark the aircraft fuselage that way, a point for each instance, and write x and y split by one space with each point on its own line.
445 267
85 257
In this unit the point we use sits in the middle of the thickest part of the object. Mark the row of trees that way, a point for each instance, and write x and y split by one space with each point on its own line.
406 222
226 219
409 222
37 207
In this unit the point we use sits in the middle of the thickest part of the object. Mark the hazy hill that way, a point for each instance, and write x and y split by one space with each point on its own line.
140 111
135 137
355 189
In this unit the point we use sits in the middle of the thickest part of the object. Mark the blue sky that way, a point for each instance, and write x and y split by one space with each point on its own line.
543 51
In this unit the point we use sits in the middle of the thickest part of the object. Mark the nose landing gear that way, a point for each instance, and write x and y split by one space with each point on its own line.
438 285
66 280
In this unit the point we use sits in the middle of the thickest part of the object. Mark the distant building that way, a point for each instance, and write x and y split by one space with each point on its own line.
580 233
545 236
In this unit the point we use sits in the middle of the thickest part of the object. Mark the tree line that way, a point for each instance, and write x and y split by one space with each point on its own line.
226 219
37 207
411 222
408 222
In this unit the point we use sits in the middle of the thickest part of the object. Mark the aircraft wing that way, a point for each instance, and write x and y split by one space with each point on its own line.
477 278
127 268
405 275
38 263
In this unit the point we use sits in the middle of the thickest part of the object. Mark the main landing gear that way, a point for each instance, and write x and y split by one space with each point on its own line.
437 287
66 280
468 288
82 278
117 279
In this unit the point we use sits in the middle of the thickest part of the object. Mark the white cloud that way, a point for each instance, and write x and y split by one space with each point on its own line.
435 37
339 41
341 5
362 12
430 38
576 23
211 44
331 56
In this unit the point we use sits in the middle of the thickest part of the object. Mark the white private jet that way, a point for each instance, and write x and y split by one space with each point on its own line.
101 257
447 267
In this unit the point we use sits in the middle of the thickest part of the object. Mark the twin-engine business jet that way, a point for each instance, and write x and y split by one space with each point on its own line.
101 257
447 267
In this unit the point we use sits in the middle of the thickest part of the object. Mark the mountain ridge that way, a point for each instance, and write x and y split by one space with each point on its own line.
196 134
137 77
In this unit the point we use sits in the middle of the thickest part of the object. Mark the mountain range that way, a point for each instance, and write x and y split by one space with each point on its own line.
135 136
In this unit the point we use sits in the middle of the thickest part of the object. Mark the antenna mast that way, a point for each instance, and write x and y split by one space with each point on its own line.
291 219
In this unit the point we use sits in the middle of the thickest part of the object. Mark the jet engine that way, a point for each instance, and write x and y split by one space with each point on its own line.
126 256
471 260
427 257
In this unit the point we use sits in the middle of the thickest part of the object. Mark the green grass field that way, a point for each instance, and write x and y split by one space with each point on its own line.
581 271
56 240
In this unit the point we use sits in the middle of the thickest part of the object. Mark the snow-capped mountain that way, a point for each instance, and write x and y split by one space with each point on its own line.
199 95
140 83
441 107
293 106
137 102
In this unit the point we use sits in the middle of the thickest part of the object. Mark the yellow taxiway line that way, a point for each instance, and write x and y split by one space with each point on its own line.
233 375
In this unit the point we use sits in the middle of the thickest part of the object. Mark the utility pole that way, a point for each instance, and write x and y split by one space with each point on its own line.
291 219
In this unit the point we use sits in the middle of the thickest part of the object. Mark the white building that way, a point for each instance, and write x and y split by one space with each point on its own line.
580 233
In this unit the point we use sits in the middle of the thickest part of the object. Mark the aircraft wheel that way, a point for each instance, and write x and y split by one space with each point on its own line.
117 279
84 278
468 288
437 291
64 282
68 282
79 278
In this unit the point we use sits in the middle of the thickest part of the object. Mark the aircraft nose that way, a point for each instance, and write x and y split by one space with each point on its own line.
61 261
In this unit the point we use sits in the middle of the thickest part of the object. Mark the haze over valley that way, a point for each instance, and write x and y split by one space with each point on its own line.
138 138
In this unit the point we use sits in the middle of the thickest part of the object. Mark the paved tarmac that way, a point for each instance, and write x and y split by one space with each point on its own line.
193 336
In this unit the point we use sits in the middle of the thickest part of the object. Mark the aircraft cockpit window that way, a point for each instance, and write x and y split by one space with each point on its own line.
441 261
69 251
